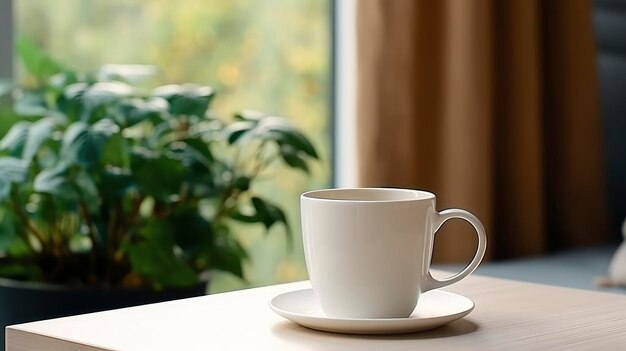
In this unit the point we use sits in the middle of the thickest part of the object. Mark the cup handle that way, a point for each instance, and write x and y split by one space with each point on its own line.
440 218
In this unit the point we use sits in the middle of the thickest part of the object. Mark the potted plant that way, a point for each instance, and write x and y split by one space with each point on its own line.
108 187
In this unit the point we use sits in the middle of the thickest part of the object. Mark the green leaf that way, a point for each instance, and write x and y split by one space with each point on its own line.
104 128
160 132
156 175
12 244
186 99
193 161
235 131
284 133
74 138
269 213
55 181
103 93
159 265
116 152
135 111
35 60
7 228
8 118
75 144
15 138
228 254
292 157
12 170
242 183
262 127
84 144
201 147
198 174
115 183
241 217
38 133
291 137
62 79
193 232
71 101
30 103
88 191
153 257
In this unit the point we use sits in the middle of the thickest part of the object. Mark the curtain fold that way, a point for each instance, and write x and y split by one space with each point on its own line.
492 105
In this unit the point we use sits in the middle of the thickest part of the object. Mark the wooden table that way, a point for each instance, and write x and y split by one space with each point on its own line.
509 315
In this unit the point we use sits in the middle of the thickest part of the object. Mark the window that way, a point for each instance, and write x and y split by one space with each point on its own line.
272 55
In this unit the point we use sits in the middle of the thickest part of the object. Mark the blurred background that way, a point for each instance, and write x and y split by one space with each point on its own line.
270 56
513 110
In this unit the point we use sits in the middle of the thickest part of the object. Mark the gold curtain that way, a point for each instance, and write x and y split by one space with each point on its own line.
492 105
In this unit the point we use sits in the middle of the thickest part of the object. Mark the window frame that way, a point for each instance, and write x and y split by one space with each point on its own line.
343 94
6 39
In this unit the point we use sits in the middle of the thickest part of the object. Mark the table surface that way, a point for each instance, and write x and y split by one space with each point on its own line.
509 315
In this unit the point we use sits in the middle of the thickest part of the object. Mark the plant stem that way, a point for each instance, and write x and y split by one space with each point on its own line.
223 209
111 228
236 157
91 228
91 231
258 160
118 233
27 223
233 193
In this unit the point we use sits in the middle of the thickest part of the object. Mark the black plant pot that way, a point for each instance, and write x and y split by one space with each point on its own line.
22 301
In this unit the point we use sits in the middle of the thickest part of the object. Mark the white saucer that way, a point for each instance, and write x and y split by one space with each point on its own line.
435 308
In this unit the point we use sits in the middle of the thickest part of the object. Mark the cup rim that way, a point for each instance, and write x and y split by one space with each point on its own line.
412 195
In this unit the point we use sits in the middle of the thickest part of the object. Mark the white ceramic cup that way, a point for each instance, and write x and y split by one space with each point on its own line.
368 250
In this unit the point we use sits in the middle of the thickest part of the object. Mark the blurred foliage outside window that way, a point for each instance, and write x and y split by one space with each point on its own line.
266 55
